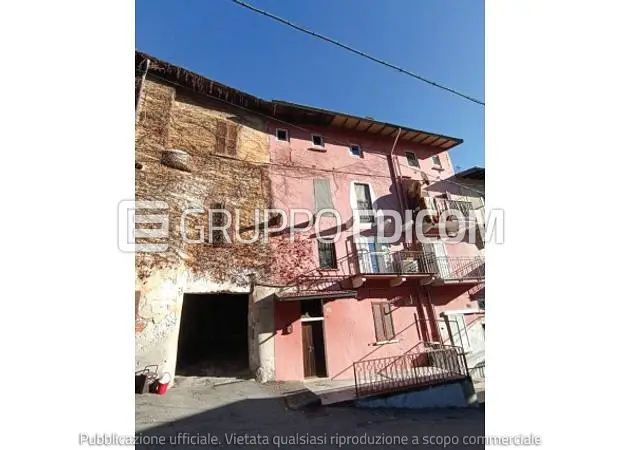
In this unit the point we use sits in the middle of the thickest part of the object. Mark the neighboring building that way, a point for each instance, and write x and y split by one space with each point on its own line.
287 309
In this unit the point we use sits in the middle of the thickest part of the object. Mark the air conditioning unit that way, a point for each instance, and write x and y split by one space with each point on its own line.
409 266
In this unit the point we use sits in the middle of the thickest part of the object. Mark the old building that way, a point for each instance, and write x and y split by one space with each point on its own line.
291 306
358 298
198 146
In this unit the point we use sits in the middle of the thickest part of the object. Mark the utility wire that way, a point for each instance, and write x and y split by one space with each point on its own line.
432 177
358 52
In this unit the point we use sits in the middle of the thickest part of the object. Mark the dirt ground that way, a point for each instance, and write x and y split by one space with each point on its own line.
211 413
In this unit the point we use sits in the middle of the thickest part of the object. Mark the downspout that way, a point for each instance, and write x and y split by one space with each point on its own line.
141 86
394 176
435 333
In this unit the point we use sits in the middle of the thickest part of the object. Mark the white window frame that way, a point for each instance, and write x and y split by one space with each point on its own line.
312 136
416 158
439 165
351 151
287 136
353 201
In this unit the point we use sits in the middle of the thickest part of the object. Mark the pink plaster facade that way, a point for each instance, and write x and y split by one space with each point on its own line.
348 326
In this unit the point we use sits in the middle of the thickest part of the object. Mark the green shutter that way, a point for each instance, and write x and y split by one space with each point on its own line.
322 194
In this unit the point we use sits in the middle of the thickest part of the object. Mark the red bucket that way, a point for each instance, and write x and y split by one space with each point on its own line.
161 388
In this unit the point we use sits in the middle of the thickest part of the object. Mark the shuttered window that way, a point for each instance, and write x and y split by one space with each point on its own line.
322 194
382 316
226 138
364 202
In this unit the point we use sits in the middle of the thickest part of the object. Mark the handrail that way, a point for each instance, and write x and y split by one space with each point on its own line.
443 204
434 364
398 261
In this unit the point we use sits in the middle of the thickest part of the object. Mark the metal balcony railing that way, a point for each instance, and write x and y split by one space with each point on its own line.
442 204
429 365
400 261
455 267
407 261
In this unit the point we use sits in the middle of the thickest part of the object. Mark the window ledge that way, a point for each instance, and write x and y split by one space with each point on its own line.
318 149
392 341
439 168
328 269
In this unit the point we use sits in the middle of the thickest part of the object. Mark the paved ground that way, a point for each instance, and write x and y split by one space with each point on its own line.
245 414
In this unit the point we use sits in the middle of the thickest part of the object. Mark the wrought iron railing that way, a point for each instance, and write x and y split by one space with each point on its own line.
477 372
455 267
400 261
443 204
418 367
407 261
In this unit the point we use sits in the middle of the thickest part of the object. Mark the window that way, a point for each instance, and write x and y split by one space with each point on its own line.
364 203
226 138
412 160
384 326
322 195
458 331
436 161
311 308
355 150
327 255
282 134
317 140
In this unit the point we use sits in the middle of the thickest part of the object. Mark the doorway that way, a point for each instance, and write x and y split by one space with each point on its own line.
213 336
312 338
313 349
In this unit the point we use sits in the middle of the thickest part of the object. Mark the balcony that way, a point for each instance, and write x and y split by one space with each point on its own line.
456 269
442 204
471 214
394 267
399 262
398 267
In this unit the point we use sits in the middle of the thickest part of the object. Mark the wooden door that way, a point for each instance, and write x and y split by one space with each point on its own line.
308 350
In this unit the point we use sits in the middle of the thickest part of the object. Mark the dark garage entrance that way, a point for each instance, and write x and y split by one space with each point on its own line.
213 339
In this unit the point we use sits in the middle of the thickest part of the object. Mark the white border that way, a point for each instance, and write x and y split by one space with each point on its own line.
359 147
313 135
288 137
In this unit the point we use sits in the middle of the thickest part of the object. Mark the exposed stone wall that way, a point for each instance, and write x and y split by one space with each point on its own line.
224 149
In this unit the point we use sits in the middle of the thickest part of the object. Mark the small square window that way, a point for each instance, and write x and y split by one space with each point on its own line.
436 161
282 134
355 150
412 160
317 140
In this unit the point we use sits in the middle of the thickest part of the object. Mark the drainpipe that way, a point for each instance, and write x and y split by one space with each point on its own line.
394 176
431 315
141 85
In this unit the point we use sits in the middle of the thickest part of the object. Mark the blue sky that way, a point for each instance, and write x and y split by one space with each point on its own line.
442 40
